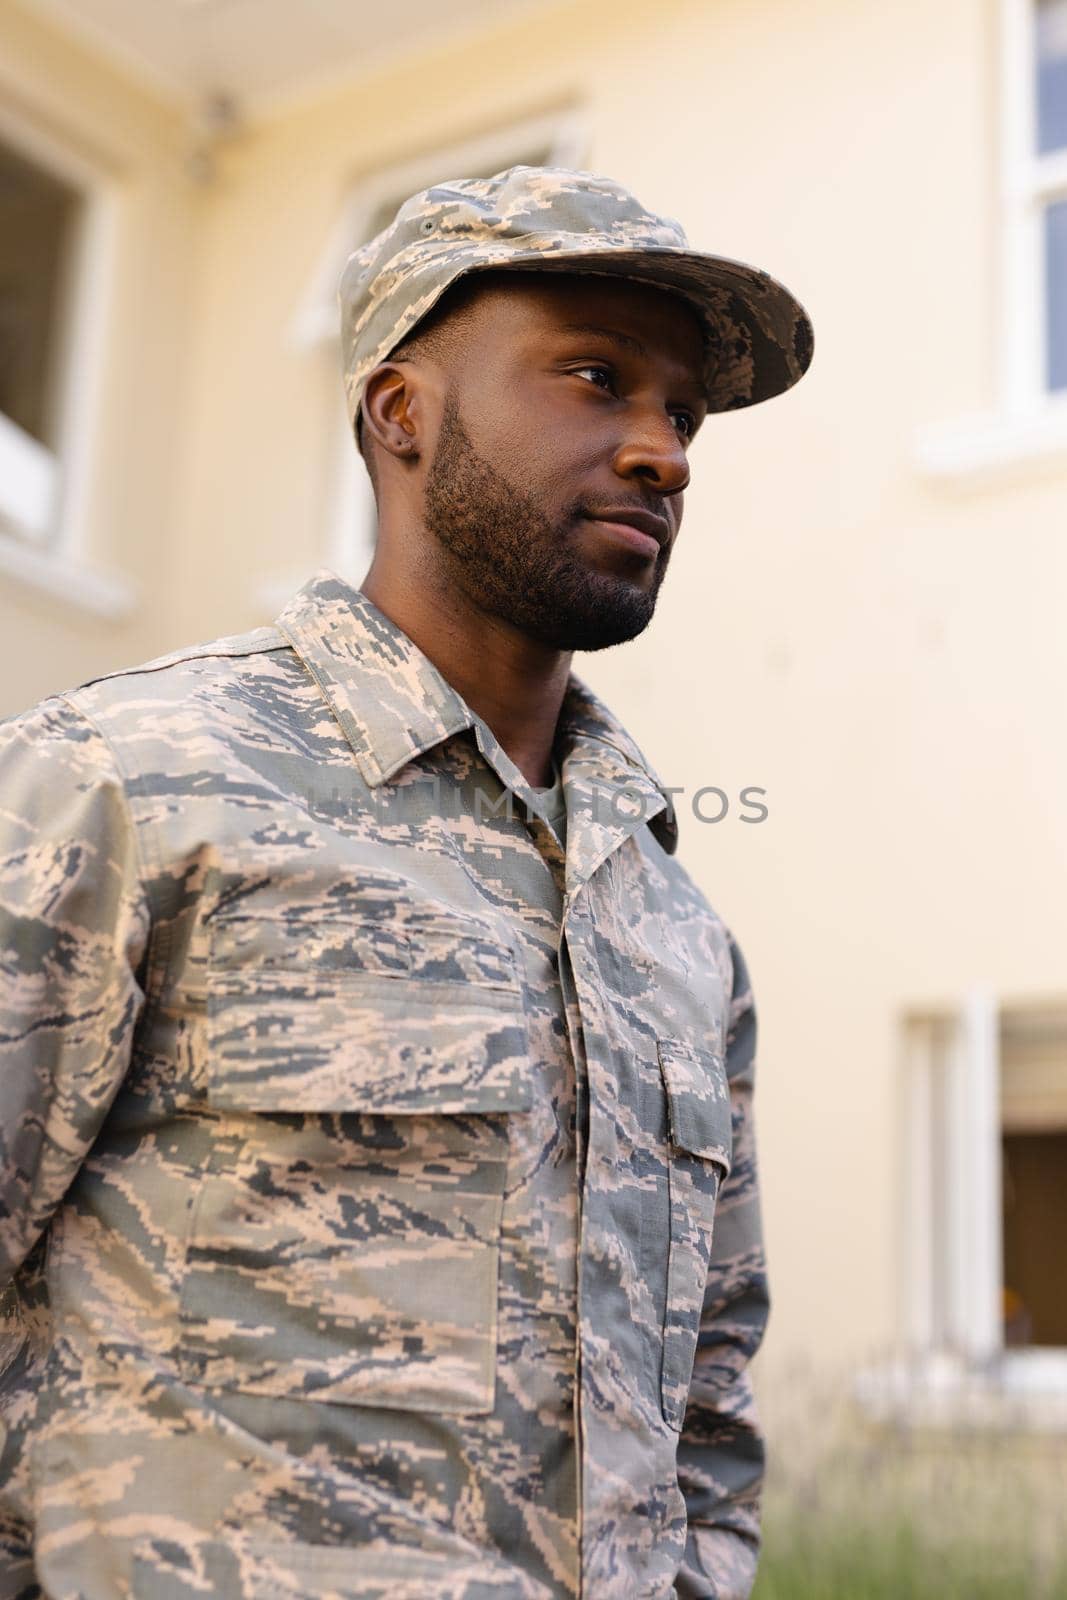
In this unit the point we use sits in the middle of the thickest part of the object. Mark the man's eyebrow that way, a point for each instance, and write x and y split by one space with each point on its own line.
616 335
627 340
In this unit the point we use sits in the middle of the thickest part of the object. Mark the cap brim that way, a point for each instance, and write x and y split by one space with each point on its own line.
760 336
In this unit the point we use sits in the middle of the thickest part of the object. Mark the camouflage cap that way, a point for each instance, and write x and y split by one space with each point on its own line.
759 338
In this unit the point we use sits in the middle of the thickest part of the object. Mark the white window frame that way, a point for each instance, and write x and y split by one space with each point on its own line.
45 494
954 1368
1028 423
347 538
963 1050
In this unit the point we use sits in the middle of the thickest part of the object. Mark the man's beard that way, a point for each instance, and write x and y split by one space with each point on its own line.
512 562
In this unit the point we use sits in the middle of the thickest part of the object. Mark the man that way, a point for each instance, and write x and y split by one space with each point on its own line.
372 1212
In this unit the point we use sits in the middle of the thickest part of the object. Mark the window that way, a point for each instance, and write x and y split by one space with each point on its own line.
1027 420
58 214
38 215
983 1220
986 1179
1034 49
557 139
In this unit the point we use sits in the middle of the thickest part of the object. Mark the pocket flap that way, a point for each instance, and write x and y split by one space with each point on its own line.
311 1042
698 1100
330 1017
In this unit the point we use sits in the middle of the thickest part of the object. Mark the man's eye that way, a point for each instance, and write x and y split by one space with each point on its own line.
689 422
603 372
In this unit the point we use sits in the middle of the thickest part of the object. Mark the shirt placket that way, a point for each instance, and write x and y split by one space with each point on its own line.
608 801
588 880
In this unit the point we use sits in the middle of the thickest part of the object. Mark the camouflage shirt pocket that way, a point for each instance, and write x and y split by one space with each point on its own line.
344 1242
700 1151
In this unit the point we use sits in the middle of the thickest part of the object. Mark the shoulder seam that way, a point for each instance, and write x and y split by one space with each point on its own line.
176 660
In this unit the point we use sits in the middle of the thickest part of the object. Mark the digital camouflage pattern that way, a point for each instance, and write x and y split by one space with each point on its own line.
361 1152
758 336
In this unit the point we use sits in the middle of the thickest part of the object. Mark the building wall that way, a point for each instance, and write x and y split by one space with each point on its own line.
880 652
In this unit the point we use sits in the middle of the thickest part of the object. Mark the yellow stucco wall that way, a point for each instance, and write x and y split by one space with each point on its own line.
883 655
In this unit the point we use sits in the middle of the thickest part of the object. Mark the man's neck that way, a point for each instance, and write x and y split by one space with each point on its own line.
514 683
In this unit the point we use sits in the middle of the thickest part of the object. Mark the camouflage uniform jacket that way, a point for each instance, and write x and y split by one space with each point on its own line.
360 1153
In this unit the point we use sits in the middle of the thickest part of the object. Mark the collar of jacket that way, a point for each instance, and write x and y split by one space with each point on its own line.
393 704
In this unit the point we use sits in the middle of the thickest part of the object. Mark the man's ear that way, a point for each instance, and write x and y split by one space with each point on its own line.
392 410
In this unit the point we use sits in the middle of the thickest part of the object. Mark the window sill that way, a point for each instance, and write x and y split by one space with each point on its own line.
974 450
102 594
1018 1390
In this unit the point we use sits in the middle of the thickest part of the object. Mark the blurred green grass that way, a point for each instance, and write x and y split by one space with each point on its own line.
859 1511
897 1563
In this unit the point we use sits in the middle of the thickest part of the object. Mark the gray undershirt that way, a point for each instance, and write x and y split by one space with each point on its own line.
554 806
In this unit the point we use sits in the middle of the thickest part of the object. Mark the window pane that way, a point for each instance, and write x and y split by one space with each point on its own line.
1051 74
1035 1238
1033 1115
36 213
1056 293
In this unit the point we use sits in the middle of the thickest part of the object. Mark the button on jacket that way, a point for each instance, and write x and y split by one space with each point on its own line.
378 1210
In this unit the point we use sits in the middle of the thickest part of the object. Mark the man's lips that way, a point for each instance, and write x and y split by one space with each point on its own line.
642 531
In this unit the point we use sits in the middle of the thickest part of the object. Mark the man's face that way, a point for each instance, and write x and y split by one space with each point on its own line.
570 407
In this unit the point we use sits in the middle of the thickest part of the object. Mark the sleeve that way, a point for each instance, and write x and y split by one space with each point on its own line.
73 928
721 1452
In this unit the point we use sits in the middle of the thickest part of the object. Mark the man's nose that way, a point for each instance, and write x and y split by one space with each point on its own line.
654 452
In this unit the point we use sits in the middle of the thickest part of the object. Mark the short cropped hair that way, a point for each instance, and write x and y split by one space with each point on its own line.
433 339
